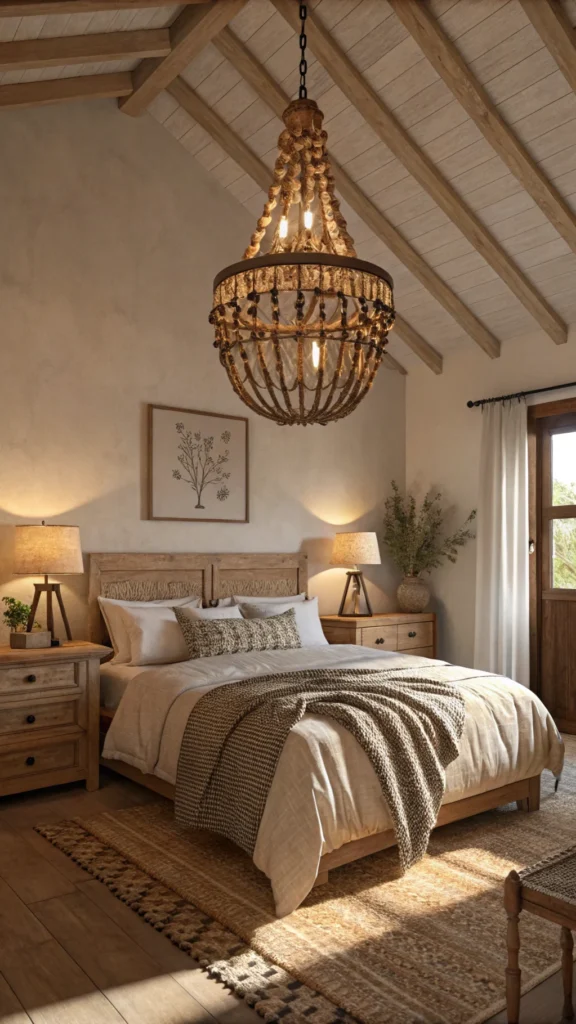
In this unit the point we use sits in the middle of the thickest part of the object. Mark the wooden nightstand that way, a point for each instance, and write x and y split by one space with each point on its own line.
49 714
390 631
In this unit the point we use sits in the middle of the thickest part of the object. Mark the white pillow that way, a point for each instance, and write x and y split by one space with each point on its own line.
154 635
111 612
307 618
287 600
230 611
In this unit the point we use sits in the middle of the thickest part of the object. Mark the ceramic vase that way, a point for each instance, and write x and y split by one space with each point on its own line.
413 594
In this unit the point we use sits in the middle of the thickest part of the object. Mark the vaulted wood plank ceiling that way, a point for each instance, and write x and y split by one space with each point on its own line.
452 124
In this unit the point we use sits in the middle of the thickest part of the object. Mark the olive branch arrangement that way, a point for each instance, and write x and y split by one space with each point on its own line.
414 536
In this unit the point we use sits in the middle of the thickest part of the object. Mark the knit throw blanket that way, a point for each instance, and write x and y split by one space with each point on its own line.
408 724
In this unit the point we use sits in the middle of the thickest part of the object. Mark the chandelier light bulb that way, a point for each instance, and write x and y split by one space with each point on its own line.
308 219
283 230
315 355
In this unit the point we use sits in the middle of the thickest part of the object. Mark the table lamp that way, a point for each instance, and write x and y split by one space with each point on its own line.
355 549
43 551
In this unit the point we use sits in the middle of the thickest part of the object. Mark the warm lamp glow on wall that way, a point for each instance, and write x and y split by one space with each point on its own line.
48 551
355 549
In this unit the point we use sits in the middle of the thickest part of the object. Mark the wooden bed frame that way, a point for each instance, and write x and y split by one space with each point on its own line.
148 577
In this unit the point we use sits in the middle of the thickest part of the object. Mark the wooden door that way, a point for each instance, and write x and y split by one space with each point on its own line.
553 526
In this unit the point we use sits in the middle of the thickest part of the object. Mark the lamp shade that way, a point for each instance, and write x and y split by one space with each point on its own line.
48 550
355 549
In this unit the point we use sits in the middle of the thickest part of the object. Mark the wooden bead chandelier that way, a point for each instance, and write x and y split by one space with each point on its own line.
302 330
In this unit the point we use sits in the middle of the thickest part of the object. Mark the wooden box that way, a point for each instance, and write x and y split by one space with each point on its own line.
30 641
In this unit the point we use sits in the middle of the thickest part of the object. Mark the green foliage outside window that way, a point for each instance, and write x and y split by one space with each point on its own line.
564 539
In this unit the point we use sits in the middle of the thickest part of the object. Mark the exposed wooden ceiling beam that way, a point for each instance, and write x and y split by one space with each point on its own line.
419 346
445 58
189 34
393 364
231 143
556 32
347 77
44 53
236 148
23 8
60 90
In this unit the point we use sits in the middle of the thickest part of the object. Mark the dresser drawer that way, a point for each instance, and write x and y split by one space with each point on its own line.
415 634
32 678
39 715
34 758
422 652
383 638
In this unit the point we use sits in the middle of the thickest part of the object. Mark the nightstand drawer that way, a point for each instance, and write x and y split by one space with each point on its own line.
39 715
422 652
415 634
35 759
29 679
383 638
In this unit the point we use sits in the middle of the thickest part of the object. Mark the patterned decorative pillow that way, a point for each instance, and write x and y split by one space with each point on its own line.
208 637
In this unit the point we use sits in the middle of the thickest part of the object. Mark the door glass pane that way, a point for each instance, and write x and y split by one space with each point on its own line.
564 468
564 553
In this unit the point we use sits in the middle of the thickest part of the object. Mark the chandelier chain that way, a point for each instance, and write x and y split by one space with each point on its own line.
303 91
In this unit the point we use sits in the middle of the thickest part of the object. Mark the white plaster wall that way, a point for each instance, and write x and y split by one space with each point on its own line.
443 450
111 235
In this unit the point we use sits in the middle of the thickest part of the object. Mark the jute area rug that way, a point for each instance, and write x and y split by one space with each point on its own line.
370 946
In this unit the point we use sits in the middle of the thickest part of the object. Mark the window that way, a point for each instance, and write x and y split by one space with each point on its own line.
564 468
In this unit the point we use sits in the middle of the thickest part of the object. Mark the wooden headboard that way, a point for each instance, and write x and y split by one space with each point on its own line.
144 577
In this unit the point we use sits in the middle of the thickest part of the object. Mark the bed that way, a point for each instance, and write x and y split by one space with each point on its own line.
325 807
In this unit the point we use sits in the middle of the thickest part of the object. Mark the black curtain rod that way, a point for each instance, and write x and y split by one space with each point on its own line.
518 394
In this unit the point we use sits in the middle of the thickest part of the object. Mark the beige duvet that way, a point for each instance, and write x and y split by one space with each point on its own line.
325 792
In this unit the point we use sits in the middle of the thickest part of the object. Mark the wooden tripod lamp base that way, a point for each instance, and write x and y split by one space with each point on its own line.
356 577
48 551
49 589
355 549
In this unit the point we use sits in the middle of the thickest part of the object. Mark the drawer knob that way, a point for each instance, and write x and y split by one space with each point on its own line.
380 640
412 632
30 761
31 679
31 719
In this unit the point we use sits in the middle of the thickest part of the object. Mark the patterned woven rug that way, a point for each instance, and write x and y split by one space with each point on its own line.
428 947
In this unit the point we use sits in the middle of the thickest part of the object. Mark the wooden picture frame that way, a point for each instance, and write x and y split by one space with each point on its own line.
177 474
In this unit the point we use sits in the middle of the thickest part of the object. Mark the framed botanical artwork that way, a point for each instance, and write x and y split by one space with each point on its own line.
197 465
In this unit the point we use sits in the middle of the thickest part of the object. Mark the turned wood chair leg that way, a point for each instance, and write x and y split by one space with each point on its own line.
567 943
513 906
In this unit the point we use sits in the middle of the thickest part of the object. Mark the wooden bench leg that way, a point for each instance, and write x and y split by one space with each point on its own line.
567 943
512 906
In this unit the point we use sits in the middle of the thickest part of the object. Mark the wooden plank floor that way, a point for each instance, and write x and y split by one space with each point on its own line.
71 953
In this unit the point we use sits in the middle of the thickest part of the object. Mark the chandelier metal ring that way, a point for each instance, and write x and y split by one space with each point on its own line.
294 258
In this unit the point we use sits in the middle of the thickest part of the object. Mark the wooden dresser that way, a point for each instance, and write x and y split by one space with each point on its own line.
389 631
49 716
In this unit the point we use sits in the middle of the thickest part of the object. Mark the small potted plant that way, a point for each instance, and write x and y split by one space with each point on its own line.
16 618
417 544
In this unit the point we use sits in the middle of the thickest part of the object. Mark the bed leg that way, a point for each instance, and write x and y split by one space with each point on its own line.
531 802
321 879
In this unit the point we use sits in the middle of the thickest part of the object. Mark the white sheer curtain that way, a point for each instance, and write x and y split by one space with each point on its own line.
501 642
